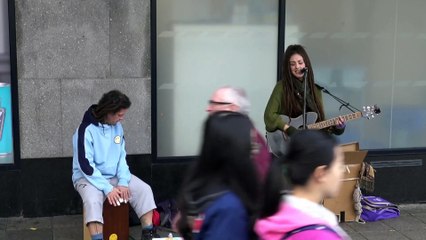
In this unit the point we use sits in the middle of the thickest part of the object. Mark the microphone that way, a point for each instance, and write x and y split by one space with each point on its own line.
304 70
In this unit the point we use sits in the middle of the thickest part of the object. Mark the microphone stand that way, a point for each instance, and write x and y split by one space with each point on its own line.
339 100
305 74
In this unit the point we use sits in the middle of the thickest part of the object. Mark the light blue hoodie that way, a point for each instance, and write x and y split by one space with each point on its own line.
99 153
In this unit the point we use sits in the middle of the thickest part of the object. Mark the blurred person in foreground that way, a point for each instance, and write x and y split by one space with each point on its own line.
219 195
314 165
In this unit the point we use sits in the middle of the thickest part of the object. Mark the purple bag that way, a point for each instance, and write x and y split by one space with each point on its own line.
377 208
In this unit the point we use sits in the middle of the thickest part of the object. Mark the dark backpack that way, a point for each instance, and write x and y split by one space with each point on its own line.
167 210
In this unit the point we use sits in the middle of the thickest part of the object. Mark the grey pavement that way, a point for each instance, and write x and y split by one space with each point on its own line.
410 225
53 228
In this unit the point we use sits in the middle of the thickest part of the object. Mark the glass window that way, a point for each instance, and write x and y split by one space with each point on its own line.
368 52
201 46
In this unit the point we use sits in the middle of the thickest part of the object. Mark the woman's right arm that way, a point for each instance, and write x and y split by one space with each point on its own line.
272 118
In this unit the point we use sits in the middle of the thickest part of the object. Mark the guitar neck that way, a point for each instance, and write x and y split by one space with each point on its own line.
332 121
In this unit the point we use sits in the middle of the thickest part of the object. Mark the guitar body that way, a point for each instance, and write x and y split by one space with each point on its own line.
277 140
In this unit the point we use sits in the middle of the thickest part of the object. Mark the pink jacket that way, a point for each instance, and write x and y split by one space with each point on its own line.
295 213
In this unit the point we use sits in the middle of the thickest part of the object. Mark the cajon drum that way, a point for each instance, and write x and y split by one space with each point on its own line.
116 222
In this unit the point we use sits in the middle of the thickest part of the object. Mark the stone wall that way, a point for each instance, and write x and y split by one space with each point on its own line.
69 53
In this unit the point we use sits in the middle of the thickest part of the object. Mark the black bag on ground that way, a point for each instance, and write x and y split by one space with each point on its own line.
167 210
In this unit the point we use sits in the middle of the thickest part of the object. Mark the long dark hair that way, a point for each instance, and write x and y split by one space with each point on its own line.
289 100
225 160
111 102
307 150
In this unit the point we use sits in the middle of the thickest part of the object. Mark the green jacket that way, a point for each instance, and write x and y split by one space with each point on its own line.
274 109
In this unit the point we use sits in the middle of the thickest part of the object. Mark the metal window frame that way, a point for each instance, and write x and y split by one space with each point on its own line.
14 90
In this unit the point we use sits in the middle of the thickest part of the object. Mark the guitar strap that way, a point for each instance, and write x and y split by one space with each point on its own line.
307 228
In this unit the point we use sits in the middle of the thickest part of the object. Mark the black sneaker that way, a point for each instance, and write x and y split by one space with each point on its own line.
148 234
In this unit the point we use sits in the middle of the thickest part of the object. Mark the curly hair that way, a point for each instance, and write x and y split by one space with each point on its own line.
111 102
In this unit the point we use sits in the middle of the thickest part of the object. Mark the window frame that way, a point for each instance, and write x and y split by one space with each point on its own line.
14 90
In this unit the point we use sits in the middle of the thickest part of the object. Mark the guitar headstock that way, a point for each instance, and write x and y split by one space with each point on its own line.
370 111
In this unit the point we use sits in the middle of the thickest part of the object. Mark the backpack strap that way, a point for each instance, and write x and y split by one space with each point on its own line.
307 228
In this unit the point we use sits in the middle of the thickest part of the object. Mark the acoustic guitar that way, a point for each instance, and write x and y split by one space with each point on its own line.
277 140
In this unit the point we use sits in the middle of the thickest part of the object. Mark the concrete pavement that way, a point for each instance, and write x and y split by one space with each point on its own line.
410 225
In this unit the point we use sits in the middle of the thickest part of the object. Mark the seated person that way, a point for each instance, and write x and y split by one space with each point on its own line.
100 170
